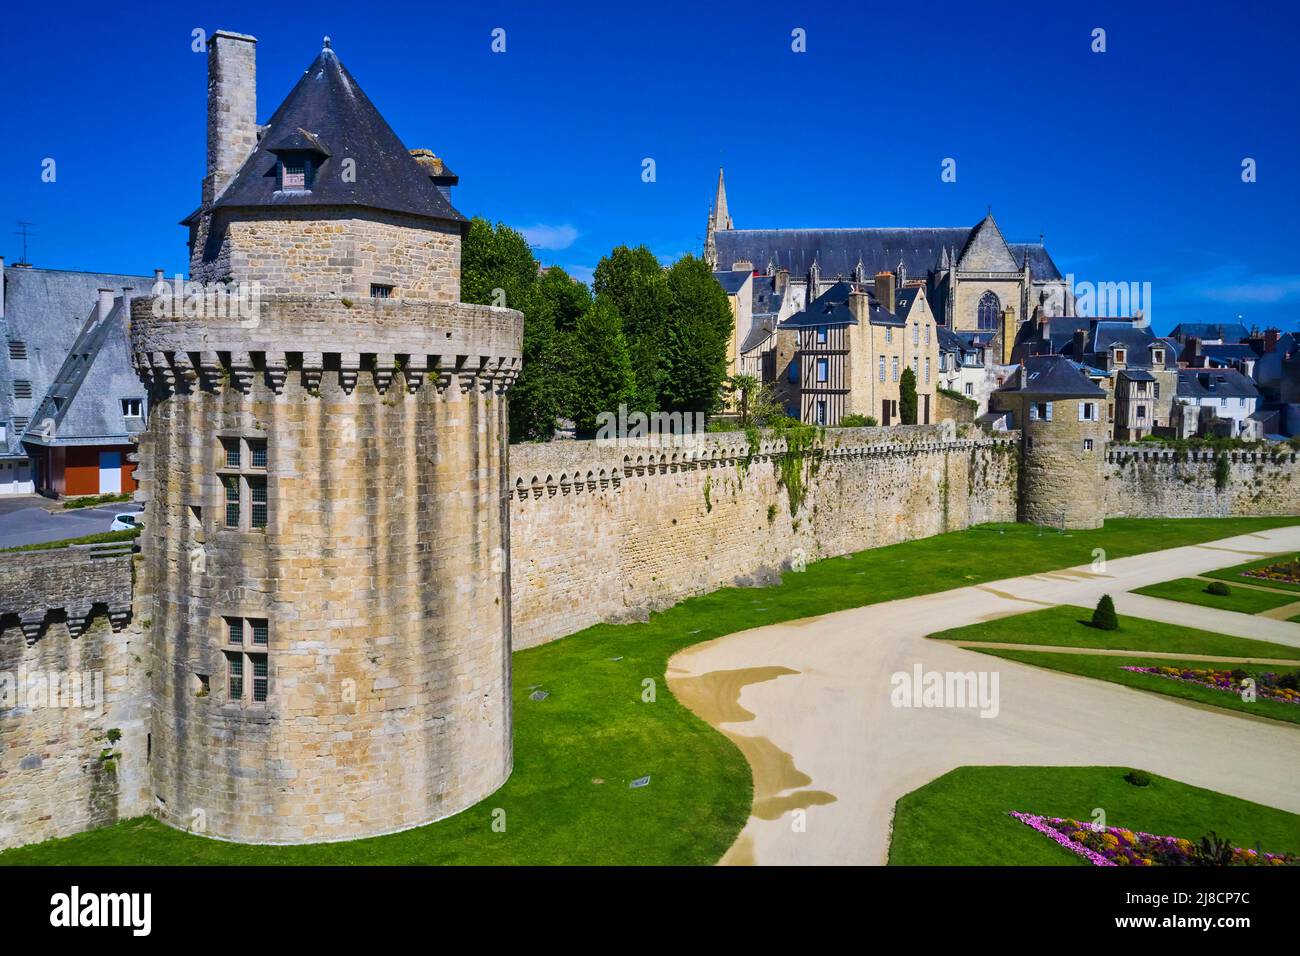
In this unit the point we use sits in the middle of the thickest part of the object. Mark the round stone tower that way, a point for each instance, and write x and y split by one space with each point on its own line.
326 523
1061 415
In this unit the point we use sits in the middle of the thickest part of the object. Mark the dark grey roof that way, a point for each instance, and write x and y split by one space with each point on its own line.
1228 331
1199 383
767 300
1100 336
732 281
758 333
328 112
948 340
829 308
1052 376
838 252
47 310
1041 266
1136 375
1229 353
905 298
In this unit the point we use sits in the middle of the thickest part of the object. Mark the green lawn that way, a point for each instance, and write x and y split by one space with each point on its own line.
1110 668
1068 626
1244 600
961 819
102 537
1234 574
594 726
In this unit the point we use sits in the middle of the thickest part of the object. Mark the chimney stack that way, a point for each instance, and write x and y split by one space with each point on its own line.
232 108
1080 343
1270 335
104 305
885 290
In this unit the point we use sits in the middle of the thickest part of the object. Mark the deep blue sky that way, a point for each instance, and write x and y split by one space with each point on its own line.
1129 161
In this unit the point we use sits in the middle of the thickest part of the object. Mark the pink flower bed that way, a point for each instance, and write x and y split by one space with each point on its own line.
1267 686
1114 846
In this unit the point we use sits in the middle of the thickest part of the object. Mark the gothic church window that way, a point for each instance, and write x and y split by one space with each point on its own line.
988 311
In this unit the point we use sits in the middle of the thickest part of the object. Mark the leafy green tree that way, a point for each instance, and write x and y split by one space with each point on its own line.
696 331
635 284
498 268
604 377
907 397
496 257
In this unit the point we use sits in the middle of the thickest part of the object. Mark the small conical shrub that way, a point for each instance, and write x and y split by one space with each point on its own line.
1104 617
1218 588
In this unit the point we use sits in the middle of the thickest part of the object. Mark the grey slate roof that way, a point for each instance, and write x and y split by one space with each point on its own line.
767 301
329 111
1041 266
84 402
986 251
838 251
1051 376
1197 383
732 281
1228 353
1228 331
1100 335
47 310
829 308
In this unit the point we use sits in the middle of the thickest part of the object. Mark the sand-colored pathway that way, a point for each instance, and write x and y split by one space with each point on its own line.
809 703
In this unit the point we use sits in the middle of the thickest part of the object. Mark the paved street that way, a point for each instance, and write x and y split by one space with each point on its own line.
24 520
808 702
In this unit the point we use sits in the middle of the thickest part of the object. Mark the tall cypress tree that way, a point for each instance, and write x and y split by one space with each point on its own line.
907 397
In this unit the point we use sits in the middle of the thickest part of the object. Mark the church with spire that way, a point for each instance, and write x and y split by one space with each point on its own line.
978 284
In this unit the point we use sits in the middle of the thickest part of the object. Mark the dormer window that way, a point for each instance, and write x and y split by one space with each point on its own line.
295 172
1157 356
1120 356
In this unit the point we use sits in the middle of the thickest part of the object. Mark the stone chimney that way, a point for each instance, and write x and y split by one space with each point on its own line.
1270 335
232 108
885 290
1080 343
104 305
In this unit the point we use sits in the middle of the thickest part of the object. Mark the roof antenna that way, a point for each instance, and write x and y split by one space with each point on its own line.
22 231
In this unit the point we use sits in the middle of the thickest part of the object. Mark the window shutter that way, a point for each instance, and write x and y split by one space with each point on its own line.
1049 411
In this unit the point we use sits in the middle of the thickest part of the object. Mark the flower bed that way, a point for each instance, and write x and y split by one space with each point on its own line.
1268 686
1113 846
1288 572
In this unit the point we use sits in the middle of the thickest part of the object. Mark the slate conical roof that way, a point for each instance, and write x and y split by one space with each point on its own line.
328 115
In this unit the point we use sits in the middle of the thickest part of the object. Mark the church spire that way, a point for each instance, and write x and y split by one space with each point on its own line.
719 219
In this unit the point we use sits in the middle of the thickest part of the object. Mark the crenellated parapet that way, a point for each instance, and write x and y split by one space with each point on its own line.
468 348
588 467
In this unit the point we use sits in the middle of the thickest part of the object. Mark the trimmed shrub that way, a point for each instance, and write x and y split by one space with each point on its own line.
1104 617
1219 588
858 421
1138 778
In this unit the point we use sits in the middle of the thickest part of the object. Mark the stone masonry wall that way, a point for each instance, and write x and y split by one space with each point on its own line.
606 533
1142 481
318 251
74 703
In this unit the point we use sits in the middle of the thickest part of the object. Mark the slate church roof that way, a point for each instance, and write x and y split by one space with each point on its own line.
838 252
328 115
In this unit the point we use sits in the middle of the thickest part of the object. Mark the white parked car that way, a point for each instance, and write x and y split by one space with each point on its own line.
126 522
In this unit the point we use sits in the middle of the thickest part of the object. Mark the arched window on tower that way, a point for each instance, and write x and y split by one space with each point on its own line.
988 311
